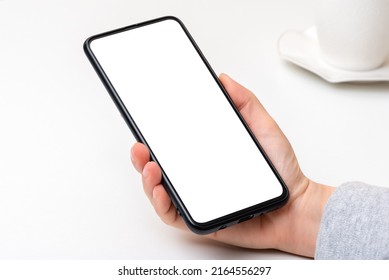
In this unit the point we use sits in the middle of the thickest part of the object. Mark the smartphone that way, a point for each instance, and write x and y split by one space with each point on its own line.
213 167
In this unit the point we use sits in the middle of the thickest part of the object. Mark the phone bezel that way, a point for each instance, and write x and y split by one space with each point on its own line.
218 223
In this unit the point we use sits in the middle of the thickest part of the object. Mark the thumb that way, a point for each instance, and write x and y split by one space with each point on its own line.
240 95
247 103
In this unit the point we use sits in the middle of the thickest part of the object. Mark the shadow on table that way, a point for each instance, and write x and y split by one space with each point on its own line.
221 251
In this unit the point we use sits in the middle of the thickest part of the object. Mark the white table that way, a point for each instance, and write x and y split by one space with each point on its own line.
67 187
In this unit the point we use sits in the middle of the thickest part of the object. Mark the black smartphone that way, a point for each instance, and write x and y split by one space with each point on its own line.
213 168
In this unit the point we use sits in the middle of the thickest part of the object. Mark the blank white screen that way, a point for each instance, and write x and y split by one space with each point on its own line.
196 136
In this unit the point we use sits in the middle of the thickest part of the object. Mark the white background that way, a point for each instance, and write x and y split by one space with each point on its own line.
67 187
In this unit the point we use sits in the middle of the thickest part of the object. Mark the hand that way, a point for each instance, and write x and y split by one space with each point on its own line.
292 228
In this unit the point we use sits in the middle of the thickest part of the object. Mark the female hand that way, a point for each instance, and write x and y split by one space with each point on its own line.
292 228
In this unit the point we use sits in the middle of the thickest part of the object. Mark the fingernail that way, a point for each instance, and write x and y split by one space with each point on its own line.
132 154
155 195
145 171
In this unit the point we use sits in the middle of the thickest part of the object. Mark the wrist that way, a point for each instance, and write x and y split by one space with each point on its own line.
306 211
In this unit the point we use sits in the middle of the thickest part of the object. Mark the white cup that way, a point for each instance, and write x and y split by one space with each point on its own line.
353 34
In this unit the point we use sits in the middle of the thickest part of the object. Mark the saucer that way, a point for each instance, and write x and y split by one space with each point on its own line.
302 49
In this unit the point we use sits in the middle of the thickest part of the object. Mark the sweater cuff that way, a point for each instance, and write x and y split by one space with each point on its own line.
355 223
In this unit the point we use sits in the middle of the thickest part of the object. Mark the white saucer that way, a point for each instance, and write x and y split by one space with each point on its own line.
302 49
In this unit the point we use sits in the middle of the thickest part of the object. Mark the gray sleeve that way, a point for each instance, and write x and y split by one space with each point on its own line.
355 224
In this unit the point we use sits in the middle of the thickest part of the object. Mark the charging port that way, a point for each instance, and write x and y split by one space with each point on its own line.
222 227
245 219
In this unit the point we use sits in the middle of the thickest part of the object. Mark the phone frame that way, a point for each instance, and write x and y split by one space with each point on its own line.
218 223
